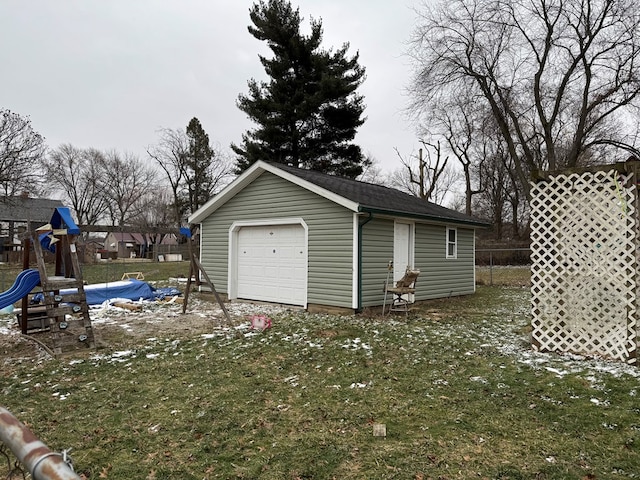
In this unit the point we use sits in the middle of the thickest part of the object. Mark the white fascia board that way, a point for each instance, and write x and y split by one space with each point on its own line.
250 175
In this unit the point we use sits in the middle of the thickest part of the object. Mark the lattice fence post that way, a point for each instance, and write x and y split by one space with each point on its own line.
584 244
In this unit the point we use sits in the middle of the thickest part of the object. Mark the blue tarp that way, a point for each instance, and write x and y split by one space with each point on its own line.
129 289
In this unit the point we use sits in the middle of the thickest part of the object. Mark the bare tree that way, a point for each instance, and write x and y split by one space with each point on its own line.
495 195
557 75
463 126
170 153
372 173
475 140
195 169
429 177
127 183
79 174
517 200
21 153
157 211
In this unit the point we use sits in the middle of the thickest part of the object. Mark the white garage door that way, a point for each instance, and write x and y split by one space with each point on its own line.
272 264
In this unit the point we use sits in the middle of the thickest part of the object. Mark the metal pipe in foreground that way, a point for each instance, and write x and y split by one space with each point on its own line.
34 455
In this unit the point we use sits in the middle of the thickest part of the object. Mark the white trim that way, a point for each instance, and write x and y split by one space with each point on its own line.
473 232
355 284
411 252
253 172
455 244
412 240
232 263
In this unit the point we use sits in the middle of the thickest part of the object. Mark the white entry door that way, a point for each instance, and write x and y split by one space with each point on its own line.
402 249
272 264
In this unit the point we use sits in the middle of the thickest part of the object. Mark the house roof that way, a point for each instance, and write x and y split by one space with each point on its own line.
127 237
352 194
142 238
25 209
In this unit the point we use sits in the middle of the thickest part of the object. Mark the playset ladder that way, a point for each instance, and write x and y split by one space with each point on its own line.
69 320
196 268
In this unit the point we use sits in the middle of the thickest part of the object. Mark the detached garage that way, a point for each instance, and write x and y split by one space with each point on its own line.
298 237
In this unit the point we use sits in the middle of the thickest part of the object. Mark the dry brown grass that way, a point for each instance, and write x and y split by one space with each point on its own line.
506 276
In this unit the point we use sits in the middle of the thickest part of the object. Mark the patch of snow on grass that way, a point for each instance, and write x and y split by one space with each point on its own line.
356 344
506 333
478 379
359 385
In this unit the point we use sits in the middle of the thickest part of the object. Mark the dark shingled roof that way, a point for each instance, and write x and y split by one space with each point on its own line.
380 199
23 209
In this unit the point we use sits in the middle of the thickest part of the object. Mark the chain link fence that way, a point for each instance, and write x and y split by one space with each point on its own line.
489 261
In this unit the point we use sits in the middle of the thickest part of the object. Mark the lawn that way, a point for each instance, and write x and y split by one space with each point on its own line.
519 276
456 385
106 271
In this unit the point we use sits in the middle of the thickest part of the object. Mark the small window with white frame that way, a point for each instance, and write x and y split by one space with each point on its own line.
452 243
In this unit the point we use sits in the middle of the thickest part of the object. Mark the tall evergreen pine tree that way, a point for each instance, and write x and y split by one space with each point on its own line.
308 113
199 158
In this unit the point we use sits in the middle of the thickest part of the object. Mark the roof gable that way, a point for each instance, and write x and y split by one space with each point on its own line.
23 209
253 172
352 194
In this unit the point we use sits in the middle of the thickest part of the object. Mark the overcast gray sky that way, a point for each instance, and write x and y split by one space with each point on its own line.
109 74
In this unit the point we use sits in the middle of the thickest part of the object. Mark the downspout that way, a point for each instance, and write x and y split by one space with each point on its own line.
360 225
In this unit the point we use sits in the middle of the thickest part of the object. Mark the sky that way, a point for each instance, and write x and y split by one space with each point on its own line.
110 74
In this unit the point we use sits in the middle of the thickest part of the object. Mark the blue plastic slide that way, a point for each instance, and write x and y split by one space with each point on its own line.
26 281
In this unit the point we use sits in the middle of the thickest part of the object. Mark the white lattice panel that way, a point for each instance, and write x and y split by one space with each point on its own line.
584 272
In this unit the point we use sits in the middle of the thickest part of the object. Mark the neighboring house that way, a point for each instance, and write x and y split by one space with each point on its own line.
133 245
123 243
18 214
90 248
284 235
29 212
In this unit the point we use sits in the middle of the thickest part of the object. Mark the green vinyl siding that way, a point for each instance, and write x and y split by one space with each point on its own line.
377 251
330 231
441 276
214 251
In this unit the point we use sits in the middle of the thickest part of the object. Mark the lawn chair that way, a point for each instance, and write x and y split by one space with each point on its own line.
399 300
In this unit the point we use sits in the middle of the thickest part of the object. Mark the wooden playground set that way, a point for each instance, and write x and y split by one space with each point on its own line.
64 318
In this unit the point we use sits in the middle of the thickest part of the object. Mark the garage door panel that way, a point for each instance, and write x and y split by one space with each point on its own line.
299 275
244 271
272 264
272 271
287 251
